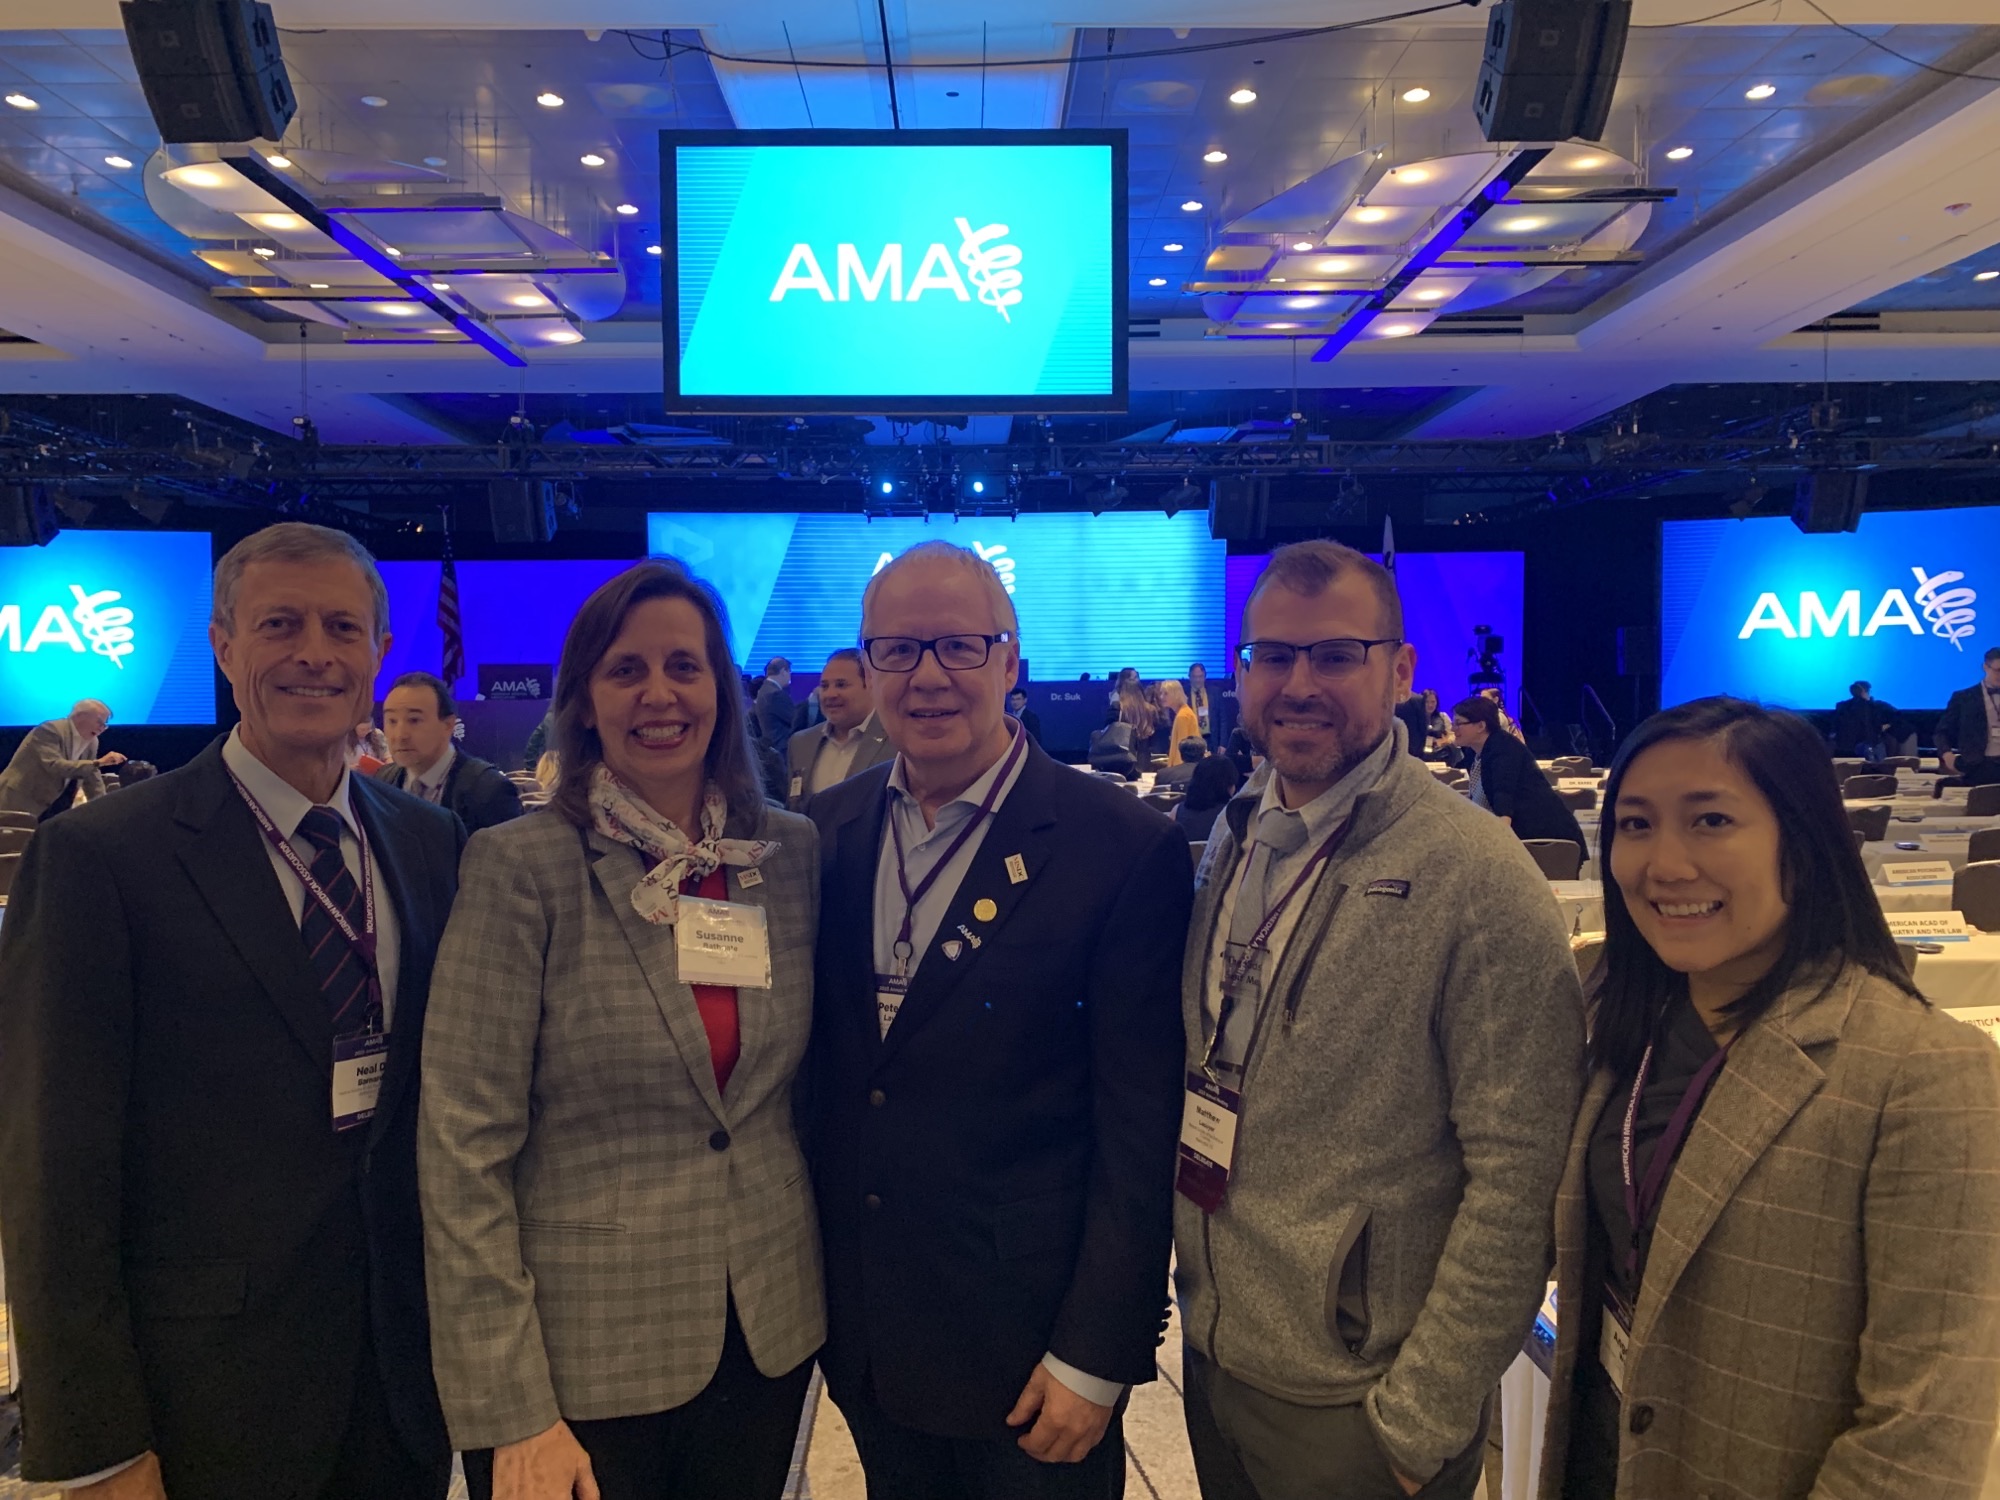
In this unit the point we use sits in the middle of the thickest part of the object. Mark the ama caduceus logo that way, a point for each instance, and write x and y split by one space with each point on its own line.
992 266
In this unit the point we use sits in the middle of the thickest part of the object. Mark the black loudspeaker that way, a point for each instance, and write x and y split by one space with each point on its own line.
27 519
524 510
1638 651
1238 509
1550 68
212 69
1831 500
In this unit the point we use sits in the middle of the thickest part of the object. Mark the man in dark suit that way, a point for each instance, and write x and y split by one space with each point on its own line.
846 742
420 720
1507 782
1968 732
1017 707
997 1071
1862 723
212 992
774 705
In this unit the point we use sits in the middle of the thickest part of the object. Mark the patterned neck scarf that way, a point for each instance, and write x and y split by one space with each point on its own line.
620 814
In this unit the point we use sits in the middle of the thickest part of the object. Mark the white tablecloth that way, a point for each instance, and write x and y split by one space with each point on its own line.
1920 895
1582 903
1952 848
1963 976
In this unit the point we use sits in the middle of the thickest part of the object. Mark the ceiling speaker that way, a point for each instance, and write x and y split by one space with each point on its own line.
523 510
1550 68
212 69
1239 509
1830 500
27 518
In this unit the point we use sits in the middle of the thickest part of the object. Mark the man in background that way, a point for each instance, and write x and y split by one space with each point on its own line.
1968 732
1193 750
1861 724
55 759
421 722
1017 707
847 742
774 704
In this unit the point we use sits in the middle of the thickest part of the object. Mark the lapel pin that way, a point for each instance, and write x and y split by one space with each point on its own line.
952 948
969 935
984 909
1017 869
748 878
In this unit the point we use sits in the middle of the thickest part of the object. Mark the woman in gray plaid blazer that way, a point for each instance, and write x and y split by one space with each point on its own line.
1778 1234
622 1251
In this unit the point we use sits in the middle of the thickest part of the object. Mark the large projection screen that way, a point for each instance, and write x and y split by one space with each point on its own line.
914 271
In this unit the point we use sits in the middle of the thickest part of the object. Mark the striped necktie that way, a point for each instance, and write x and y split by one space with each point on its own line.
343 976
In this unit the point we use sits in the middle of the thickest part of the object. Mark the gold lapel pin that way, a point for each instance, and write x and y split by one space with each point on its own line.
984 909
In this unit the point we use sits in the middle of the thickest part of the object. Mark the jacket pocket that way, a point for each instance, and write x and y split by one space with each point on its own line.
1346 1310
189 1288
568 1226
1036 1225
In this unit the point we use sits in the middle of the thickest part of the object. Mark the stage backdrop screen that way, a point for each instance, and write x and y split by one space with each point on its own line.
1761 610
1094 593
121 616
898 271
508 612
1445 596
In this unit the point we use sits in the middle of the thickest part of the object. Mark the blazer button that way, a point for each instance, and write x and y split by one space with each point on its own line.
1642 1418
873 1200
877 1098
719 1141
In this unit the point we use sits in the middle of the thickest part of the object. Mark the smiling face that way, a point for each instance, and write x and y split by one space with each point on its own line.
652 703
417 733
301 656
843 695
1695 852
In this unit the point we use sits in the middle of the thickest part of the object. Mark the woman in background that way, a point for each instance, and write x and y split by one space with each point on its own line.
1136 713
1197 697
1209 790
1183 725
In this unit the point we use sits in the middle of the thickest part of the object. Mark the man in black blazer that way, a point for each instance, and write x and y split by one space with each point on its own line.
420 721
1968 732
997 1071
1507 782
213 1248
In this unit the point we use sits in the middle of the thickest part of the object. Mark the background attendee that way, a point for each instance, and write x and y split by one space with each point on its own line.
1017 706
419 720
624 1265
1191 751
1211 783
1505 779
1786 1162
1243 753
1357 1278
1507 725
548 770
1416 724
1136 712
1437 723
1968 732
996 1071
1861 724
213 1250
774 704
56 758
848 742
369 750
1197 697
1181 722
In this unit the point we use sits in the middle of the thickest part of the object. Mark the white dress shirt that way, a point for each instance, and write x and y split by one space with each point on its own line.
836 756
430 785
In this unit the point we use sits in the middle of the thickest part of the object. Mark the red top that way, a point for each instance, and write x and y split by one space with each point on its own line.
717 1002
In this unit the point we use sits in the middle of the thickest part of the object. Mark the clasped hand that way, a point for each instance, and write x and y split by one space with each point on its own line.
1066 1426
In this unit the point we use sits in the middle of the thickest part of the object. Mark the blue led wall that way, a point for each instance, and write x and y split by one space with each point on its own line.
1762 610
120 616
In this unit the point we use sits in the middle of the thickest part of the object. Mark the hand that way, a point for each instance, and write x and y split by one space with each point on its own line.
1410 1486
1949 760
548 1466
1068 1426
111 758
140 1481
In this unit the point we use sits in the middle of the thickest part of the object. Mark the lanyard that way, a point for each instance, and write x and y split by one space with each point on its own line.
903 949
362 942
1642 1199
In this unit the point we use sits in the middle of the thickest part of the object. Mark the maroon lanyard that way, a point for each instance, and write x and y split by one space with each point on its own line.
911 899
1642 1198
362 942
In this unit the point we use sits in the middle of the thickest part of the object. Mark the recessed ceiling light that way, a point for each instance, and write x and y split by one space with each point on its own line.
1302 246
440 286
1157 281
529 299
563 336
652 249
1432 294
276 223
1416 95
1335 267
390 250
1523 225
1987 276
1174 249
433 161
1370 215
628 209
264 250
1281 325
1302 304
1411 174
1243 96
22 101
1192 206
201 177
1586 163
373 101
549 100
120 162
1277 281
1397 330
1760 91
591 159
282 163
398 309
317 286
1215 156
1680 153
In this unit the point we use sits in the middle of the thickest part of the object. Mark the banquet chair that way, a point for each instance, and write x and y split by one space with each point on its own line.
1975 892
1579 799
18 820
1907 952
1844 767
9 863
1559 858
1868 786
1588 956
1551 775
1872 823
14 840
1573 765
1982 802
1164 802
1985 845
1901 763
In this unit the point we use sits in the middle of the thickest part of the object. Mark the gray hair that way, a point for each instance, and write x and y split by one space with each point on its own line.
92 705
960 557
293 542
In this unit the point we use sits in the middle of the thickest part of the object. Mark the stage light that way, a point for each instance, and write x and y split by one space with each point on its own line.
1680 153
1192 206
123 164
1761 91
1215 156
1243 96
549 100
1181 496
885 486
1416 95
591 159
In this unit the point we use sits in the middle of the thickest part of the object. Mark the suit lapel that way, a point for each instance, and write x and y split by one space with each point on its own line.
224 857
416 944
618 870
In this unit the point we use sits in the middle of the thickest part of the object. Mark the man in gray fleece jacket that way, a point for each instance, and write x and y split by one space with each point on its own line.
1382 1009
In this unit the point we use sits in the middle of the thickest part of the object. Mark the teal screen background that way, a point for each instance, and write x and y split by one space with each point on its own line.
740 210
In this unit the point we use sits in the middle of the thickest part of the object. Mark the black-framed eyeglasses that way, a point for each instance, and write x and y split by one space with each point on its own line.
955 653
1336 658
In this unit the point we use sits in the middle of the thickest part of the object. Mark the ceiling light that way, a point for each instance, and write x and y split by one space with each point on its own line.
529 299
1192 206
563 336
282 163
1761 91
276 223
121 163
263 250
1416 95
201 177
1987 276
628 209
1370 215
440 286
390 250
398 309
317 286
1215 156
1174 249
1157 281
1434 294
549 100
1302 246
652 249
1680 153
1397 330
1586 163
591 159
1302 304
373 101
1410 174
22 101
1281 325
433 161
1243 96
1335 267
1524 225
1277 281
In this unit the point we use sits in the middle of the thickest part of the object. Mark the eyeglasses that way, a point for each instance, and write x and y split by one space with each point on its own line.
955 653
1341 657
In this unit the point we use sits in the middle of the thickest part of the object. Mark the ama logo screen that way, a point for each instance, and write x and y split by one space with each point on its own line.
895 271
1759 609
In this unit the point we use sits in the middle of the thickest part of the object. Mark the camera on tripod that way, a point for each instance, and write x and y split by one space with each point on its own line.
1486 649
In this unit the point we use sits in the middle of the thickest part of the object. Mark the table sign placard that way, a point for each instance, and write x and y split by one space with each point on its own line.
1985 1017
1915 871
1579 783
1935 926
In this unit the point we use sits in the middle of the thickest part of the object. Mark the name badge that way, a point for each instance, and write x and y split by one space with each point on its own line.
1614 1343
722 942
359 1063
889 993
798 786
1208 1141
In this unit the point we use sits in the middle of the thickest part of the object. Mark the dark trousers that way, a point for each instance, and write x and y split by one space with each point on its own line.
373 1461
65 799
733 1441
1250 1446
901 1463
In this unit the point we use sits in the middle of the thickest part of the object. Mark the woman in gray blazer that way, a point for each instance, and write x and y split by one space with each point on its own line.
623 1259
1778 1235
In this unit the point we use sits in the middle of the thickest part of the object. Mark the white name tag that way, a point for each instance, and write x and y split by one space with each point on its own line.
889 992
798 786
1928 924
722 942
1614 1347
1985 1017
359 1063
1918 870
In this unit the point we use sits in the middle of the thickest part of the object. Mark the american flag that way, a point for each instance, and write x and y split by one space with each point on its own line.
454 641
